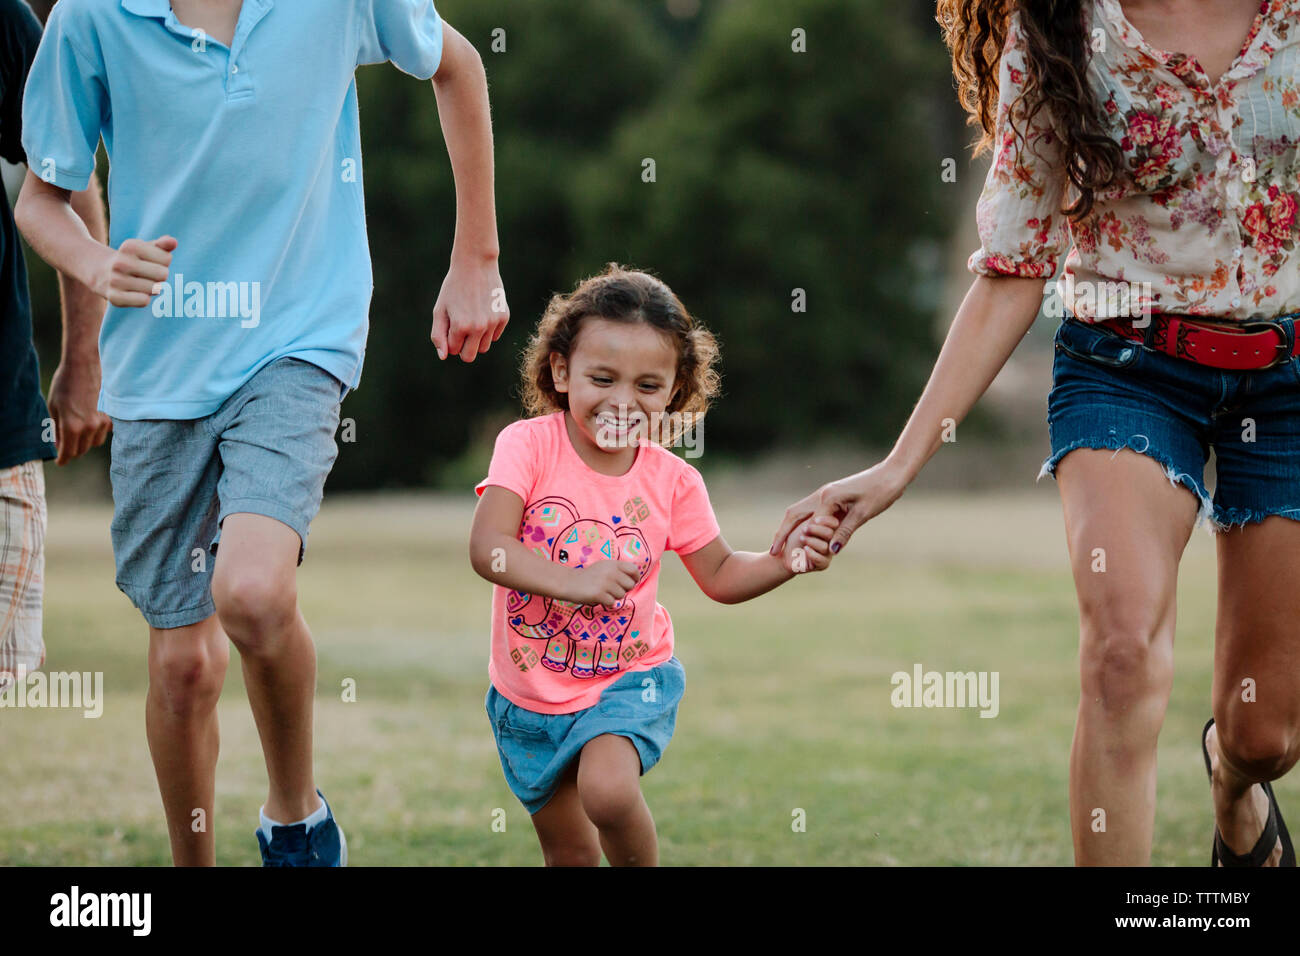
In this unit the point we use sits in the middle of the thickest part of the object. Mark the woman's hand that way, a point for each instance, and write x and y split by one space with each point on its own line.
854 500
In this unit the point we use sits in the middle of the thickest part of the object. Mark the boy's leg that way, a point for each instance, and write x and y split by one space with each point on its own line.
255 589
187 666
277 447
609 786
567 836
164 476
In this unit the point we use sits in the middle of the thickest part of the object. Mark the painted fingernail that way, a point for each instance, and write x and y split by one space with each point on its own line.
835 548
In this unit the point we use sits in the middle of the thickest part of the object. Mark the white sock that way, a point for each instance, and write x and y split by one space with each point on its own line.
317 816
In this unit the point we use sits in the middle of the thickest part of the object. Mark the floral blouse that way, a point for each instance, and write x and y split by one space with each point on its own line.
1204 220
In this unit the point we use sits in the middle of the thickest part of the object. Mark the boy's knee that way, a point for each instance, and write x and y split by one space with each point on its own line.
187 668
255 604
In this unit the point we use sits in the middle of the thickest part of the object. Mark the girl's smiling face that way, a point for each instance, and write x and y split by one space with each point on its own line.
618 376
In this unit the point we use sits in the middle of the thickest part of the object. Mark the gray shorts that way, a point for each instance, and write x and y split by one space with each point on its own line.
266 451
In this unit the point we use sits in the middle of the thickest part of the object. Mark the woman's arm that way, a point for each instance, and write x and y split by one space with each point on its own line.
994 317
497 555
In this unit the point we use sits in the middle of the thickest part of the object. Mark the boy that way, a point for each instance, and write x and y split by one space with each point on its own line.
239 280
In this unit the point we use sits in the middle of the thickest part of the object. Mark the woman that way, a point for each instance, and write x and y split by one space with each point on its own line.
1178 174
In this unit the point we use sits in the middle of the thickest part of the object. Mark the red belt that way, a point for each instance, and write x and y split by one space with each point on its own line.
1242 346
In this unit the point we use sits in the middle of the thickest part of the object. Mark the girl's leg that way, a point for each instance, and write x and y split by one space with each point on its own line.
567 837
609 785
1256 736
1123 504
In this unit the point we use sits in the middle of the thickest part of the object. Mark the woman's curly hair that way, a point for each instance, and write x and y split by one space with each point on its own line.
1057 54
620 294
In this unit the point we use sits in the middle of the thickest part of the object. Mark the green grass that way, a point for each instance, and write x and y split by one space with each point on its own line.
787 703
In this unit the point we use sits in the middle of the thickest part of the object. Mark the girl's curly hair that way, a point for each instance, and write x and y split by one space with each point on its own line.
1057 53
623 295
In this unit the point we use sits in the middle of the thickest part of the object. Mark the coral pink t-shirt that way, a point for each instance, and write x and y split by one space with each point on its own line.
555 657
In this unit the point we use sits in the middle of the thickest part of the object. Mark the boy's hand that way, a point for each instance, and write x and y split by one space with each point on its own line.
471 312
131 275
74 393
604 583
809 546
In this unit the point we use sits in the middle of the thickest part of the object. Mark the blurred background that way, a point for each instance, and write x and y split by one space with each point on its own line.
775 170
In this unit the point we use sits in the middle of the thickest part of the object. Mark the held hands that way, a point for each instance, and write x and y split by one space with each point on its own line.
855 500
604 583
809 545
130 276
471 312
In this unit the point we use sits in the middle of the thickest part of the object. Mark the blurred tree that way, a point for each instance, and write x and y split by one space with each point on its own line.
562 73
775 171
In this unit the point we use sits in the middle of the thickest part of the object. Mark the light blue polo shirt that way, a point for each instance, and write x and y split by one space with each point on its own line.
249 155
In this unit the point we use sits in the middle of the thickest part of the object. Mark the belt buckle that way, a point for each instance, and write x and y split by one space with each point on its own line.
1280 329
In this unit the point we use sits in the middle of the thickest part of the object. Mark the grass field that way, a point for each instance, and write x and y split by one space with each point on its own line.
787 703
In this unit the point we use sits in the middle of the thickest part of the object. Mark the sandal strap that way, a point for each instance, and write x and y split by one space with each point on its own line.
1262 849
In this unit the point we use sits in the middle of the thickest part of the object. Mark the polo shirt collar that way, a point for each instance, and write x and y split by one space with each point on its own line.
148 8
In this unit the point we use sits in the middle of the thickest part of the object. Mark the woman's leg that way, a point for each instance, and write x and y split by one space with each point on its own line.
1122 514
567 837
1256 736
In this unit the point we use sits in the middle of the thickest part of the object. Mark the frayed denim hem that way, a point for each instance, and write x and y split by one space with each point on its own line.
1114 442
1225 519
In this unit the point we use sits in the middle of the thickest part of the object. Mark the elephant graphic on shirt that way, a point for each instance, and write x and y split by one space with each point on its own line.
584 640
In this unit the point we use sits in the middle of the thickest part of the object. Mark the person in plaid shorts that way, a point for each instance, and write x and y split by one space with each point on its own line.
31 431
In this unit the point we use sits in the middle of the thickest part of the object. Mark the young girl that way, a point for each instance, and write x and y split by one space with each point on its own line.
580 501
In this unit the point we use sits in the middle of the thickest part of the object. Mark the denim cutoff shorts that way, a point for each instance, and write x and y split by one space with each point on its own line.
1112 393
536 749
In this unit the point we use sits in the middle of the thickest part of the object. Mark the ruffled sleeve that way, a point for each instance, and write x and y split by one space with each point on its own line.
1021 226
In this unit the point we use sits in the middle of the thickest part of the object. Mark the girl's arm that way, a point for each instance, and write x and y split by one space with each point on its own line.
730 577
497 555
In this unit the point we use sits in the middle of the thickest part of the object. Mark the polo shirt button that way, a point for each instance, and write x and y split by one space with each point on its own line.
234 69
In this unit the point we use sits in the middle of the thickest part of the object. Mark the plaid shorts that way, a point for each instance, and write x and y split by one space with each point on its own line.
22 567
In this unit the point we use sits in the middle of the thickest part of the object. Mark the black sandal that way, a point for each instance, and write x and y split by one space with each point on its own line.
1274 828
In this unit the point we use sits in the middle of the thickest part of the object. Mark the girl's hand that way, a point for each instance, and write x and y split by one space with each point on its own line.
604 583
809 547
855 500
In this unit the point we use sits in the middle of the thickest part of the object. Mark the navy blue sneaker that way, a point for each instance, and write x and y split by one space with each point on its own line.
294 845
